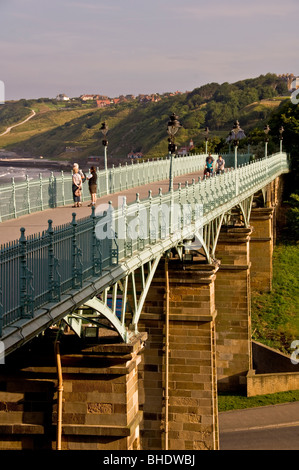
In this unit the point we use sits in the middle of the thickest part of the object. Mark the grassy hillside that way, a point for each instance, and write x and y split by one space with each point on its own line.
12 113
275 315
275 320
142 126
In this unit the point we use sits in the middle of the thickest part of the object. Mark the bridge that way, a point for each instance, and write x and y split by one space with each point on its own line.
149 300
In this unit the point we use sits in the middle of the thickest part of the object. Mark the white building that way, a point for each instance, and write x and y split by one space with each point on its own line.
87 97
295 84
62 97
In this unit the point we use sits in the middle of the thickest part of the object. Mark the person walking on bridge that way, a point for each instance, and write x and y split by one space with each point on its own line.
209 167
220 162
77 186
92 184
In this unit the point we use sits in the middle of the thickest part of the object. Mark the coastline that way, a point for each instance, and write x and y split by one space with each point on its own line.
13 165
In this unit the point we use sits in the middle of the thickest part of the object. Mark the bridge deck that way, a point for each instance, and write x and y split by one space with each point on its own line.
38 221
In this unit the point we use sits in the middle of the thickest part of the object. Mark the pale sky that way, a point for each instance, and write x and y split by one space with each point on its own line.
118 47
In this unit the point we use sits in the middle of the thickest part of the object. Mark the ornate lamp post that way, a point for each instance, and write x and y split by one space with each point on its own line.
172 128
281 130
206 132
104 129
266 130
235 135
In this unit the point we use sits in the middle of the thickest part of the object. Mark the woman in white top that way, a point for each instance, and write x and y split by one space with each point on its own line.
77 185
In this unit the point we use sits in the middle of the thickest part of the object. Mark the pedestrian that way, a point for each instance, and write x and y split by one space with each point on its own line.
82 174
76 186
209 167
220 163
92 184
209 156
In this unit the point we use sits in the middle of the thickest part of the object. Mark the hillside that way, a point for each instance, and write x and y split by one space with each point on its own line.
141 126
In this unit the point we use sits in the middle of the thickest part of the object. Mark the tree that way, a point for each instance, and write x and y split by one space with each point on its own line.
287 115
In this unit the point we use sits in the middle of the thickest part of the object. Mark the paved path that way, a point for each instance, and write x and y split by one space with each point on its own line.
38 221
20 123
263 428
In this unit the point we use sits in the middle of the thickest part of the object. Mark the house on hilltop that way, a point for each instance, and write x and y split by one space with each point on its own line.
87 97
154 98
62 97
186 149
103 103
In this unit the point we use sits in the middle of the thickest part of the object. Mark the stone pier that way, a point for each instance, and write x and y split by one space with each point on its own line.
261 248
100 408
233 323
192 405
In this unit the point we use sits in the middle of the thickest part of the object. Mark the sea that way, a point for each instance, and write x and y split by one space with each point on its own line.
20 173
12 166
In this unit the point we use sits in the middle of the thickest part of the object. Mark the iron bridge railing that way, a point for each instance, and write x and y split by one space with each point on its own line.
25 197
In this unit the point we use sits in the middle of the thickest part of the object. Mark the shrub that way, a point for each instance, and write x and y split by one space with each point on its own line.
293 216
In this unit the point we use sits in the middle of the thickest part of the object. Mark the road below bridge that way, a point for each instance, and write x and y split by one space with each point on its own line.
263 428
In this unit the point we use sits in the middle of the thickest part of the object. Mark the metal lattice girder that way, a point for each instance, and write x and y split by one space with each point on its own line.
105 304
207 237
246 206
100 307
138 304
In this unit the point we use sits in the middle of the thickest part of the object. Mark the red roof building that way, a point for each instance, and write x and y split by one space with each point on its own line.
103 103
186 149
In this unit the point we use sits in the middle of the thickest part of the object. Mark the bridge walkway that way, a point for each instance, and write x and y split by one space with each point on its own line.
38 221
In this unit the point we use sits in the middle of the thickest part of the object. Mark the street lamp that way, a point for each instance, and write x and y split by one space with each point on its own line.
172 128
235 135
104 129
206 132
266 130
281 130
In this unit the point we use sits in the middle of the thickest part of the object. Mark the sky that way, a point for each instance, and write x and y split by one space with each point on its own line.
116 47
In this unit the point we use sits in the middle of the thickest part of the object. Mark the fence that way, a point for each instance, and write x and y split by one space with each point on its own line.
40 268
21 198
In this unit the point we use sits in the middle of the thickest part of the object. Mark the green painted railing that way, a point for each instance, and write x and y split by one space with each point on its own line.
26 197
40 268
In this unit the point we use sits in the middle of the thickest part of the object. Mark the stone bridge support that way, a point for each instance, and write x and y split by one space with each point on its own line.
100 403
233 322
264 221
191 395
261 248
